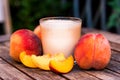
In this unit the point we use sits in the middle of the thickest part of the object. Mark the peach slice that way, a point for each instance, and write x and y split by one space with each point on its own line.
58 56
43 61
62 66
26 60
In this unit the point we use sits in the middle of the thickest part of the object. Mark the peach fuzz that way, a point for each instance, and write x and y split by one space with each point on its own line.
24 40
92 51
37 31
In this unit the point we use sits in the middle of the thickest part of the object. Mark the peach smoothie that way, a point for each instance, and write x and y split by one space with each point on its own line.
60 35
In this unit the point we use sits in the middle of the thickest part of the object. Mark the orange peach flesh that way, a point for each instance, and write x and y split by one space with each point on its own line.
63 66
42 62
27 60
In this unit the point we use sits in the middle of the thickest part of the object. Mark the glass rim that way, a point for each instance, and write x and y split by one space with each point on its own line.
61 18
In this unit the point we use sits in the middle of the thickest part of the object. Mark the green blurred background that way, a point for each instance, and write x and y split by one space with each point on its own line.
26 13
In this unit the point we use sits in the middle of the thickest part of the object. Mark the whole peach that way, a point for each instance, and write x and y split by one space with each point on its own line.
92 51
37 31
24 40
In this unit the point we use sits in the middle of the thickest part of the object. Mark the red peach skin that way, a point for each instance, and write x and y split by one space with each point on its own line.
92 51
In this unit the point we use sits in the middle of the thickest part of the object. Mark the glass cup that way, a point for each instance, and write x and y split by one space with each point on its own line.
60 34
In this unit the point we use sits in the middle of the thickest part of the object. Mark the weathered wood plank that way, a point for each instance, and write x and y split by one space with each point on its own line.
7 72
1 78
35 73
104 74
6 43
115 56
114 66
113 38
4 38
79 74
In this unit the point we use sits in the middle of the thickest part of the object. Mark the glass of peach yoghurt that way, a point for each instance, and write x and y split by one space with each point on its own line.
60 34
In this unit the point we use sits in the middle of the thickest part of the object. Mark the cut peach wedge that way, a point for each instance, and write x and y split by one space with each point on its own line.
26 60
58 57
42 62
62 66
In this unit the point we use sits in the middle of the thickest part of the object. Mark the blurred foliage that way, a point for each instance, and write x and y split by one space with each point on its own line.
26 13
114 20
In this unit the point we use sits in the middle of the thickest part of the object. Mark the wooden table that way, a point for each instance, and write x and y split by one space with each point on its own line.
11 70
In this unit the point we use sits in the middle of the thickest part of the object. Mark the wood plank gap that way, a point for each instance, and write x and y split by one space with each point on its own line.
8 72
18 69
115 56
1 78
3 44
4 38
93 75
115 50
63 76
104 74
115 60
114 66
113 70
114 46
77 73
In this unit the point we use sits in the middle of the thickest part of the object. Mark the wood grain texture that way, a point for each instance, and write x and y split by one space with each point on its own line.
8 72
104 74
79 74
76 73
115 56
4 38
